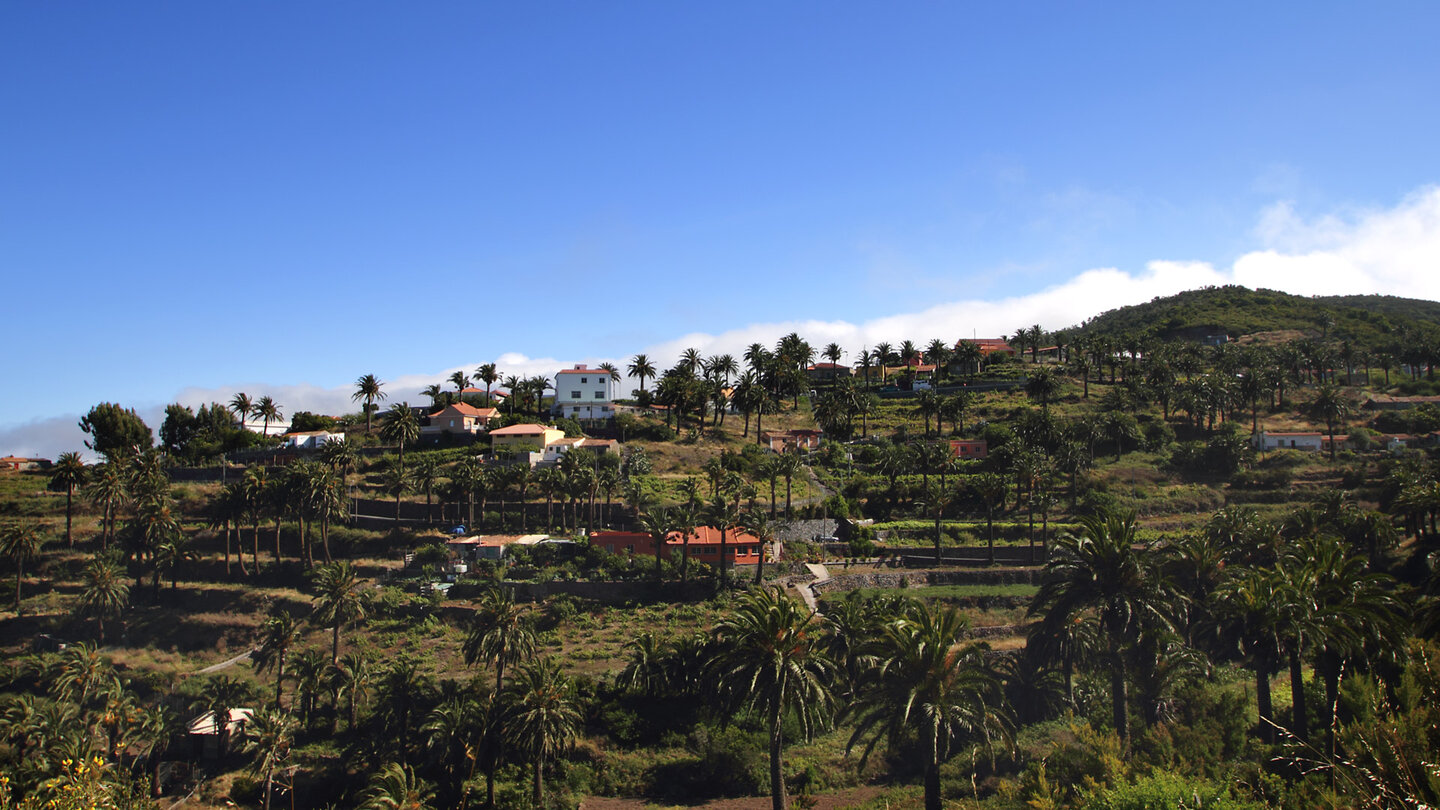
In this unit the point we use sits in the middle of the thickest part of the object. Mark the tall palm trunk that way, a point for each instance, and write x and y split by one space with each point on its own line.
1298 724
778 799
539 783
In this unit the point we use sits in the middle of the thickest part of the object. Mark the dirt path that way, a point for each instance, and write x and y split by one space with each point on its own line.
225 664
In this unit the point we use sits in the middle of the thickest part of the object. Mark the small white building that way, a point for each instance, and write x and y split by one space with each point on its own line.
311 439
584 393
1265 440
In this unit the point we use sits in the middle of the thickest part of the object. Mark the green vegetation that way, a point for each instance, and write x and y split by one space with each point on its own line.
1209 625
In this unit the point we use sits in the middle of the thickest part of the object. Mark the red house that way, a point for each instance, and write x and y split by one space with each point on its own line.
969 448
741 548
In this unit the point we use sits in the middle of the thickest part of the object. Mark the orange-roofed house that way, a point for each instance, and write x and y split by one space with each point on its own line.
459 418
828 372
18 464
741 547
629 543
987 347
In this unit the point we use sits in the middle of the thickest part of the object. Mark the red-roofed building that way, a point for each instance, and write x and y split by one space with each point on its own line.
18 464
584 393
636 543
458 418
989 345
741 548
828 372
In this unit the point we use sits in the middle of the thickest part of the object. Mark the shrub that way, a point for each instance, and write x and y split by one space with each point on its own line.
1162 790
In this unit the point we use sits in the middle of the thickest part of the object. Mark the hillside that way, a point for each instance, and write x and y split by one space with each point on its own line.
1236 311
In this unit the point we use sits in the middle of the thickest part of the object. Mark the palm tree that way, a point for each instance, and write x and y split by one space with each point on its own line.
1043 384
396 787
1330 405
769 659
243 406
269 736
543 717
20 542
400 427
105 593
337 601
640 366
1250 604
220 696
279 632
725 516
757 523
461 381
425 476
991 488
1099 569
109 488
350 678
926 684
500 634
457 733
267 409
487 374
367 389
659 524
789 466
70 472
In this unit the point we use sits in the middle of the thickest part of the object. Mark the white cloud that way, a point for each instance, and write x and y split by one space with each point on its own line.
1392 251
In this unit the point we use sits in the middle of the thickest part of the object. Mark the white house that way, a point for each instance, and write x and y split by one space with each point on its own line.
584 393
311 439
1266 440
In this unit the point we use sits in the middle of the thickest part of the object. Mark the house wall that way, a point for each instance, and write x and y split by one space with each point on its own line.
582 387
1282 442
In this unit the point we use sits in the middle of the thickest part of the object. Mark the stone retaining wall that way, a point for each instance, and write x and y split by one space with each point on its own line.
889 579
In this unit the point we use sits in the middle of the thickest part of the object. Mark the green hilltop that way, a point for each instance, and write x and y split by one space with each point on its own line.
1235 311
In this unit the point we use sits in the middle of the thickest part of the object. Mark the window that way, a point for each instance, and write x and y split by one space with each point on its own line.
574 394
599 394
584 380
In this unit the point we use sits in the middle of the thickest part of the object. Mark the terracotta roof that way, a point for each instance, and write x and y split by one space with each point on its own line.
1291 433
527 429
471 410
827 366
709 535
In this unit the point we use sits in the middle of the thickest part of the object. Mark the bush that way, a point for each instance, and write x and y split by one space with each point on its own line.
1163 790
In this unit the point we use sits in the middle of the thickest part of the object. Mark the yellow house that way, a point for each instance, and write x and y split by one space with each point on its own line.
519 438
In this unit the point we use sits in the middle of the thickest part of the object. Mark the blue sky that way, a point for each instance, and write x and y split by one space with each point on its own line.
200 198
